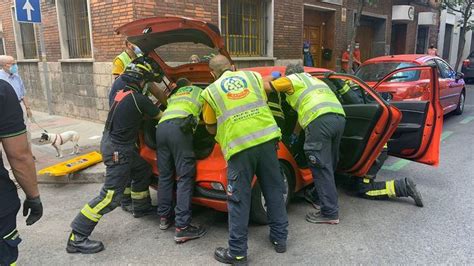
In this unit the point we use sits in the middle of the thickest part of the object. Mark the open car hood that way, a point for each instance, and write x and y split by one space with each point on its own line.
151 33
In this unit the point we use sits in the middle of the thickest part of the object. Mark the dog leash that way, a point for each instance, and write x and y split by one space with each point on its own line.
34 122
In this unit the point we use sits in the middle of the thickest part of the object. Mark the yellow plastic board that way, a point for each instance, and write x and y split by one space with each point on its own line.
72 165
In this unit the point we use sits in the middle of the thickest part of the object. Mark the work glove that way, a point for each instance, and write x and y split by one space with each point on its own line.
293 139
35 208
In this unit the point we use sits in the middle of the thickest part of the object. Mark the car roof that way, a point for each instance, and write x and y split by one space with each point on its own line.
267 70
413 58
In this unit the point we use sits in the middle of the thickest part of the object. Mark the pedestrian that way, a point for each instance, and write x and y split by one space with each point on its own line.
14 140
236 111
9 73
123 59
322 117
345 60
307 56
432 50
121 158
366 186
193 59
356 56
174 148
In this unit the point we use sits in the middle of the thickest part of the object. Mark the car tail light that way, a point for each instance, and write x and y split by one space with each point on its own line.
466 63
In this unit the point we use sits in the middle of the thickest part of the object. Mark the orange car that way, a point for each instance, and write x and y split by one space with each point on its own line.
414 85
369 126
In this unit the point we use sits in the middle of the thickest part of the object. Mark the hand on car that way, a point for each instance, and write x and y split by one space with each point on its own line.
293 139
34 207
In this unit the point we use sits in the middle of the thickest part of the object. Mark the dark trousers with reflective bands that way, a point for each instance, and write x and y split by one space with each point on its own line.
122 163
175 155
322 139
261 161
380 190
9 237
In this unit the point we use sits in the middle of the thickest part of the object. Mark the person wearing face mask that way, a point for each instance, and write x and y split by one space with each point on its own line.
123 59
9 73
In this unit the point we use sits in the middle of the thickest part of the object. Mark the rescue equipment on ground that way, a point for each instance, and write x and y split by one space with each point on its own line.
72 165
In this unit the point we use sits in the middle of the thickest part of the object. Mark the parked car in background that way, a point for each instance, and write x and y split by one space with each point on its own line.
411 134
468 68
413 85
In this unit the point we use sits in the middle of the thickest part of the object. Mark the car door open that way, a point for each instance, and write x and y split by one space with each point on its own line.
369 125
417 137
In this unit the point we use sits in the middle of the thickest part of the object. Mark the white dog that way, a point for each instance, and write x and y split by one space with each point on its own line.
57 140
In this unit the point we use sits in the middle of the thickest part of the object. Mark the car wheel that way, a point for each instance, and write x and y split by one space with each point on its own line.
258 209
462 99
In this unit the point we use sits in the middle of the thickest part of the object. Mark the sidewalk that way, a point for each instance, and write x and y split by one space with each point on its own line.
90 136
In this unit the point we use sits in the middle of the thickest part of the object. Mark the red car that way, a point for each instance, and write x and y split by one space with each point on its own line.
369 125
414 85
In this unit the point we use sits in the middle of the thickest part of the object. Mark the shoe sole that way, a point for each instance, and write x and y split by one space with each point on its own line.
180 240
322 222
76 250
418 202
165 227
219 259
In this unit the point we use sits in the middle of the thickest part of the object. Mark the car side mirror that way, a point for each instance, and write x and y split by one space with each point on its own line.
459 75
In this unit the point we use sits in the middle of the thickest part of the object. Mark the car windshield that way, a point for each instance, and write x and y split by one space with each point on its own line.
375 72
181 53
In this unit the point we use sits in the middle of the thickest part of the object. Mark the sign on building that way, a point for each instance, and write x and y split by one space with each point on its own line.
28 11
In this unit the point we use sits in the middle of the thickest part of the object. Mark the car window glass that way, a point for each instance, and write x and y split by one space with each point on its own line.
445 70
375 72
181 53
433 63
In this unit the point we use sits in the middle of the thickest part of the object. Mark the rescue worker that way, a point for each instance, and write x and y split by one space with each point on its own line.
322 117
366 186
124 58
236 111
174 149
14 141
118 84
120 157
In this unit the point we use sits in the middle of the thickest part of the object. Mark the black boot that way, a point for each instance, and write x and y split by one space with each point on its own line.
280 246
78 243
151 210
413 192
189 232
222 255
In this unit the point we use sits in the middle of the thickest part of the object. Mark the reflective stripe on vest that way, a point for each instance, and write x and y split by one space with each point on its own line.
186 101
125 58
274 102
312 98
244 119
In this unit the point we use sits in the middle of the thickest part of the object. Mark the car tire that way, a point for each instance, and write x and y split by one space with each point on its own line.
462 99
258 212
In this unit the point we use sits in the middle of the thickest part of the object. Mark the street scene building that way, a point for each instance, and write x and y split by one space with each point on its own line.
80 43
269 132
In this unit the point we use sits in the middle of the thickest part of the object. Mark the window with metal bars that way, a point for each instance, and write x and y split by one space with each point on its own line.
28 41
25 39
244 27
76 16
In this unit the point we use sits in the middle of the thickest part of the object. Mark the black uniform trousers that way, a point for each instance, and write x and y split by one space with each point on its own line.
122 163
322 139
175 154
261 161
9 237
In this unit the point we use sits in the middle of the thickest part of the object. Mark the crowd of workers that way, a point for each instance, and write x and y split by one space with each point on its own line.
242 110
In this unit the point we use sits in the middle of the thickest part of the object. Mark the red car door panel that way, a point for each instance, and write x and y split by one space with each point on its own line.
417 138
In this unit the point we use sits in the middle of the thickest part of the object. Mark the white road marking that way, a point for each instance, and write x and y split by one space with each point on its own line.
95 137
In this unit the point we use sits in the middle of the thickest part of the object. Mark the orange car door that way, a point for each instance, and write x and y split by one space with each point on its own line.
449 86
369 125
417 137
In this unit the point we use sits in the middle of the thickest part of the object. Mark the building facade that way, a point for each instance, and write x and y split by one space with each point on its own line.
80 43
